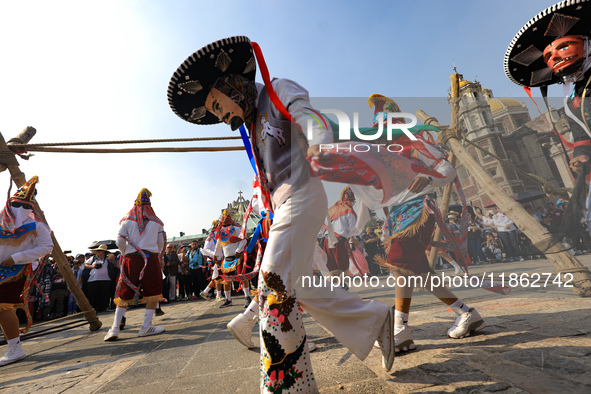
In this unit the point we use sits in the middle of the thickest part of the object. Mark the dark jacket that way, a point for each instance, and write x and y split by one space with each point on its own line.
173 262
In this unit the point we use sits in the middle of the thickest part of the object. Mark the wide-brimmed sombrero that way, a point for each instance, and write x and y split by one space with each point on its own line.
191 82
524 64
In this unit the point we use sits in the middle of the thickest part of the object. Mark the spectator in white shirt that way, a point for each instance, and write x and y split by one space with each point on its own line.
508 235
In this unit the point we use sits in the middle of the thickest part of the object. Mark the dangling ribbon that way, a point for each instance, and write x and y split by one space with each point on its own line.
145 256
258 232
267 80
246 142
565 142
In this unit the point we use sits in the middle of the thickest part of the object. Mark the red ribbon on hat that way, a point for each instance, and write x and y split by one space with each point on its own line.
267 80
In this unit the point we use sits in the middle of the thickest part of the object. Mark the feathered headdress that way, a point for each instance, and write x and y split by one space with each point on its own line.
24 195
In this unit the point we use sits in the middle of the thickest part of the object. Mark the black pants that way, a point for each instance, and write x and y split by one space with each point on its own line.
98 294
582 240
510 243
374 268
56 298
185 285
165 287
198 280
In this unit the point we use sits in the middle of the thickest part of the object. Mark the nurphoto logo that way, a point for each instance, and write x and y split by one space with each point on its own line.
345 125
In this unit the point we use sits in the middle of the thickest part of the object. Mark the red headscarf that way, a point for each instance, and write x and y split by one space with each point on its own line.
25 195
344 205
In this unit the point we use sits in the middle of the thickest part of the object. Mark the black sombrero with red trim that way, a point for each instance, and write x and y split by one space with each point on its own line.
191 82
524 64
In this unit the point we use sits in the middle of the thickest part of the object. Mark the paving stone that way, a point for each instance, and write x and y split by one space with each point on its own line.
197 354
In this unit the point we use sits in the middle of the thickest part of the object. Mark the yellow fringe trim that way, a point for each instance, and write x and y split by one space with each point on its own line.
23 272
124 303
20 240
381 261
156 298
11 307
228 270
408 232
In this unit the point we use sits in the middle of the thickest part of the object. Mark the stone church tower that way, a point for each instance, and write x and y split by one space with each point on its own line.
504 127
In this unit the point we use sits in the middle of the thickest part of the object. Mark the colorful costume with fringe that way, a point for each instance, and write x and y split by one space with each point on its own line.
410 222
141 239
229 240
25 244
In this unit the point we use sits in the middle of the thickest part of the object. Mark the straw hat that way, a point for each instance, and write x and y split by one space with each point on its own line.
102 248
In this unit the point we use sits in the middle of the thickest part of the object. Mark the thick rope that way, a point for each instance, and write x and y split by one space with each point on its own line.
133 150
27 146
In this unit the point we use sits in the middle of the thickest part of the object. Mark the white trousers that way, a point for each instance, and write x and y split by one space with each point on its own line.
288 256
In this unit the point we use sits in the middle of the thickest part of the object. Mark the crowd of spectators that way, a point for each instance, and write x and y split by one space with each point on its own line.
96 274
492 238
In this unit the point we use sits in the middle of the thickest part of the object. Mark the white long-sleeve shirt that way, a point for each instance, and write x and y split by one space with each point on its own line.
501 221
209 250
32 247
152 239
230 249
296 100
343 226
443 167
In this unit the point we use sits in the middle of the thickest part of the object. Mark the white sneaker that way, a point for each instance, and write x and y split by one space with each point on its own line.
466 323
402 336
152 330
241 328
386 341
13 354
311 347
112 335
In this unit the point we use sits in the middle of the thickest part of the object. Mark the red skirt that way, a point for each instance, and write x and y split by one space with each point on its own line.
11 293
337 258
407 254
151 283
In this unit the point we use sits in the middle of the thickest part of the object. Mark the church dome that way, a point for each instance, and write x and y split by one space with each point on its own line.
500 104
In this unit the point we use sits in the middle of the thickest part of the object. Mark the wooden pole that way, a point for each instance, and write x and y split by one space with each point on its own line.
455 94
562 260
24 137
8 161
444 210
19 179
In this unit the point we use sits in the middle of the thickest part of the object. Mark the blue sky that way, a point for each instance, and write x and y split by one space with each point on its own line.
88 71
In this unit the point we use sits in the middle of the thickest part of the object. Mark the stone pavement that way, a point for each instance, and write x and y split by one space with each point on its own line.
536 341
